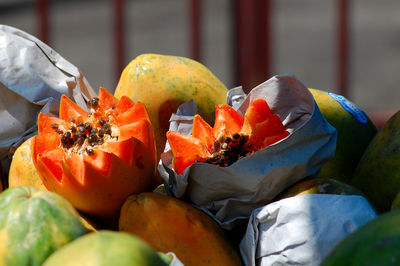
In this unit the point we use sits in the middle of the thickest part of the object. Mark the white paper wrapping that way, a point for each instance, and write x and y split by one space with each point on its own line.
230 194
32 79
301 230
175 260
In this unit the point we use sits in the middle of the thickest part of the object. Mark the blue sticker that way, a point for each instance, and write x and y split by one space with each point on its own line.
350 107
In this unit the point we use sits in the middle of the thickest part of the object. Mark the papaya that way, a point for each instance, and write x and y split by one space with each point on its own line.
375 243
319 185
33 224
396 202
354 132
163 82
231 138
106 248
22 170
96 158
23 173
170 224
378 173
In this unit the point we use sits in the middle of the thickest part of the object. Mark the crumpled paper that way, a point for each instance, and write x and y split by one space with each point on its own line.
174 259
230 194
32 79
302 230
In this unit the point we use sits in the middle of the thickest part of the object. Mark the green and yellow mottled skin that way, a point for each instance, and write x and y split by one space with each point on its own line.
163 82
106 248
378 172
375 243
352 139
23 173
33 224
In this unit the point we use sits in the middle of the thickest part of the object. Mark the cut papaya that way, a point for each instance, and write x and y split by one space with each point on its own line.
96 159
232 137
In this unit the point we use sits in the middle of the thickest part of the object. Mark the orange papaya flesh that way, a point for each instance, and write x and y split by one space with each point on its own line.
106 99
270 127
49 123
257 112
273 139
232 137
169 224
98 158
203 131
227 121
133 114
124 105
181 163
185 145
69 109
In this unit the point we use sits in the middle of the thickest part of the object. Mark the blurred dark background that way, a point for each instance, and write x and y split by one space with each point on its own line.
348 47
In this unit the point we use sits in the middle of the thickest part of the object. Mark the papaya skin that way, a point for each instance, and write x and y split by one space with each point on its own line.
22 170
396 202
319 185
352 139
106 247
23 173
163 82
375 243
378 173
169 224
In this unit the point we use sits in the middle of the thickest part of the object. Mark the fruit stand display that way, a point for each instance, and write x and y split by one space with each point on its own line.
170 170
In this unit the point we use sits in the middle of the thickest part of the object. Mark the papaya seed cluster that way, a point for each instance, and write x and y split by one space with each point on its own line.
228 149
83 136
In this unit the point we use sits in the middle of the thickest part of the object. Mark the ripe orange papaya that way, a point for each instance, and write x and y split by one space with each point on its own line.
169 224
96 159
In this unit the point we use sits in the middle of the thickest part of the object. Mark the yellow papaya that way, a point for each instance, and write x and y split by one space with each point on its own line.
319 185
163 82
169 224
22 169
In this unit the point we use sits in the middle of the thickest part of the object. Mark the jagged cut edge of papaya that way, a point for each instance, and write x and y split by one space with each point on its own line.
135 113
227 121
45 123
69 109
106 99
203 131
185 146
181 163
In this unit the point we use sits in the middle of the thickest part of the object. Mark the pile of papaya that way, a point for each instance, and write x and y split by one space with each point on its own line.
86 189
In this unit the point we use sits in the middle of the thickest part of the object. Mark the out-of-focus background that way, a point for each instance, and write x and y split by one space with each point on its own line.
348 47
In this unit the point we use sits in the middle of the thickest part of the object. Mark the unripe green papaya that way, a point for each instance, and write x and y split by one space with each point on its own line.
375 243
106 248
378 172
35 223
